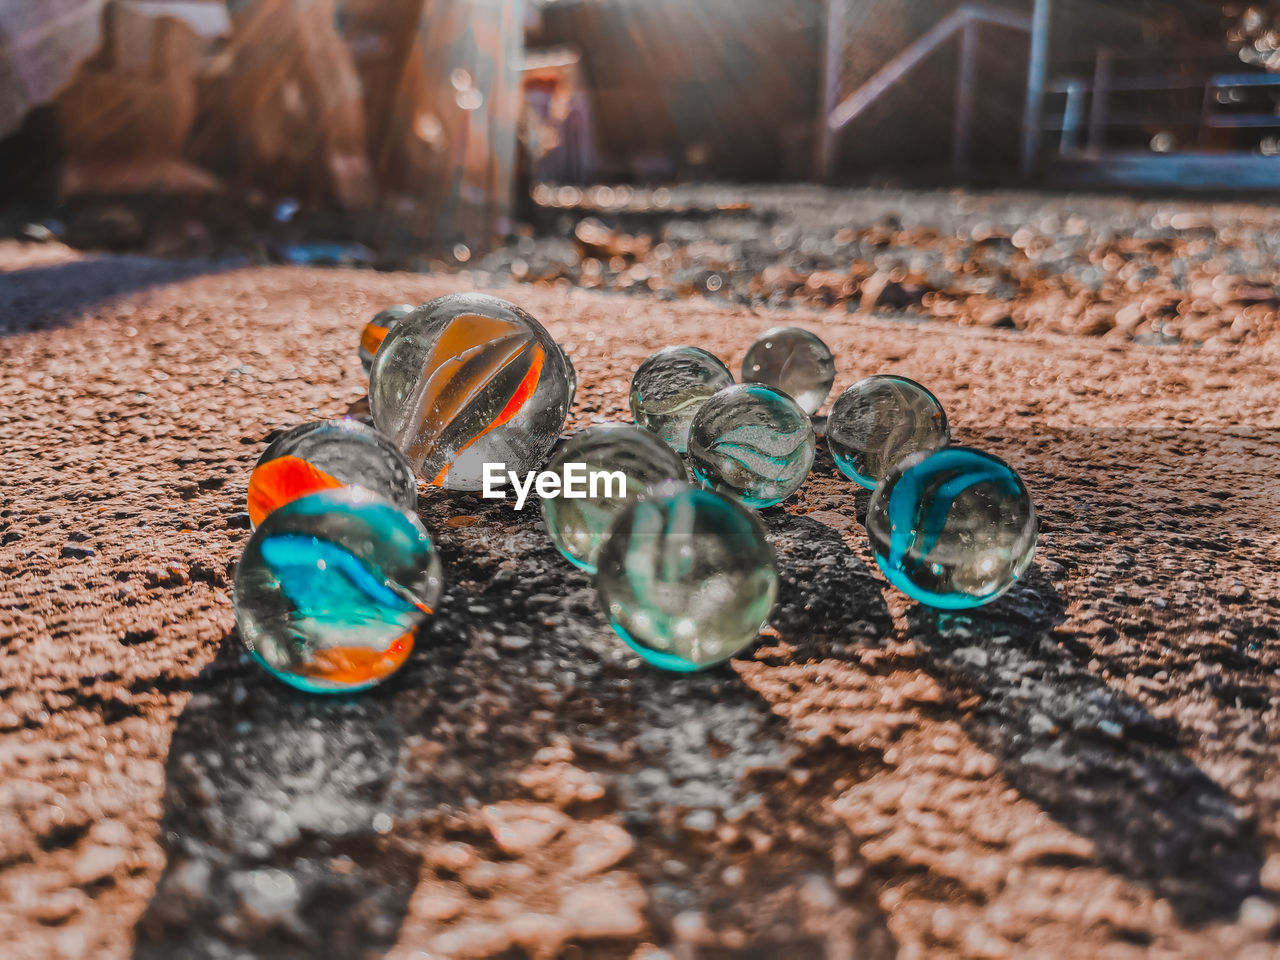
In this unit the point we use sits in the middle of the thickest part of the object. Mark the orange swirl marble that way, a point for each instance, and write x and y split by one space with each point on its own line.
371 338
356 666
282 480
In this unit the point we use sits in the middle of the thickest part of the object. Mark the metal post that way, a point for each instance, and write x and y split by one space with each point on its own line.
1072 112
1100 107
966 91
1206 111
831 89
1037 67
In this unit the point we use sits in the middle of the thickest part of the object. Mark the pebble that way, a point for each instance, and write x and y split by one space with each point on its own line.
97 863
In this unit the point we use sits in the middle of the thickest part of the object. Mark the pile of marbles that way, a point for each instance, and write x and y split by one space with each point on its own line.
339 574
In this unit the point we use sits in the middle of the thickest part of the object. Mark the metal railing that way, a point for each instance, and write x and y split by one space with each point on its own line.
1099 94
966 21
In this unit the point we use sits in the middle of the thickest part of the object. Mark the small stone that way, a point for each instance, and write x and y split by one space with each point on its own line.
71 552
700 821
58 907
523 827
600 846
605 909
1258 915
96 863
267 894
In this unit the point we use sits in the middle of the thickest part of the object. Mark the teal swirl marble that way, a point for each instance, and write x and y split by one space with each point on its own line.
577 525
332 587
880 420
753 443
795 361
668 388
686 577
953 528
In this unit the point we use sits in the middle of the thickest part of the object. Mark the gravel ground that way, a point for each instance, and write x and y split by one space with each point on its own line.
1087 768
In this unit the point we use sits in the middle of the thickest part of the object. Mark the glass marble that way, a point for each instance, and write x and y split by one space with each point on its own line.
376 330
572 374
752 442
577 525
952 528
796 362
332 587
880 420
469 379
325 455
686 578
668 388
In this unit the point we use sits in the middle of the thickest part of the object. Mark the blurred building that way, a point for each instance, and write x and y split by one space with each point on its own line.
415 106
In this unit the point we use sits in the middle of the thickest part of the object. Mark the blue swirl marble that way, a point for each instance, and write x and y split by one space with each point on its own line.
332 587
953 528
329 583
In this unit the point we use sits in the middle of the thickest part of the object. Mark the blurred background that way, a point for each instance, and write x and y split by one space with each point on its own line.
634 144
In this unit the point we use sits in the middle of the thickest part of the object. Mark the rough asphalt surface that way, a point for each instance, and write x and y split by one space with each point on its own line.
1087 768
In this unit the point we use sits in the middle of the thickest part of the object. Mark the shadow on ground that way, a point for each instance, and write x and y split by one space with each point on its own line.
293 825
1098 762
39 298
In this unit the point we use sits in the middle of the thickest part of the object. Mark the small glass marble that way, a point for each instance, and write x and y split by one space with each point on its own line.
795 361
572 374
376 330
686 577
331 590
878 421
753 443
325 455
953 528
668 388
466 380
619 463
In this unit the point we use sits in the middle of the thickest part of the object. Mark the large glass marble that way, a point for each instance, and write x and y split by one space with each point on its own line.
686 577
880 420
668 388
376 330
325 455
578 524
469 379
332 588
796 362
953 528
752 442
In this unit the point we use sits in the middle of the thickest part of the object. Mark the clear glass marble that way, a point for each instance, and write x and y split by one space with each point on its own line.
753 443
686 577
577 525
331 590
572 374
376 330
880 420
469 379
668 388
795 361
953 528
328 454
